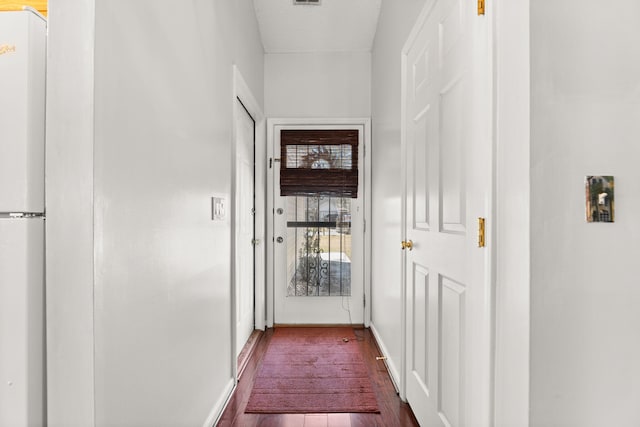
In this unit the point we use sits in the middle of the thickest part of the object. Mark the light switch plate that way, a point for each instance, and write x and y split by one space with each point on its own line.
218 208
600 202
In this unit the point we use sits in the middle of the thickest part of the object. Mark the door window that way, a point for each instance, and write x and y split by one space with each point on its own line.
318 246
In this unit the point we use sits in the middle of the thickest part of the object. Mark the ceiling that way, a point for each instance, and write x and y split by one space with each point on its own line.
332 26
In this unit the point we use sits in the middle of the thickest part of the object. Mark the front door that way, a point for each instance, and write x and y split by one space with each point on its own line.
318 228
448 165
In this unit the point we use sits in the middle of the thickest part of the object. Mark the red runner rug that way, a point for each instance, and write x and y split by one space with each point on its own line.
312 370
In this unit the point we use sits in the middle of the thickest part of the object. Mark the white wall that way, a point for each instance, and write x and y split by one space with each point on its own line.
584 289
397 18
237 21
160 298
318 84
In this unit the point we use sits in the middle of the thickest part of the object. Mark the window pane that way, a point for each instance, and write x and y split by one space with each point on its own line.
319 156
318 246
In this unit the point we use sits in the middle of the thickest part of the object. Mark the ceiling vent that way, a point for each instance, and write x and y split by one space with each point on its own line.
315 2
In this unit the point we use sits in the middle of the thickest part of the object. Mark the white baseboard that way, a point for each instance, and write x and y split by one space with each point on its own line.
220 405
391 367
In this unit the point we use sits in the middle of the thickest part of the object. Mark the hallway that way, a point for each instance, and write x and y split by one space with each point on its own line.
393 412
141 212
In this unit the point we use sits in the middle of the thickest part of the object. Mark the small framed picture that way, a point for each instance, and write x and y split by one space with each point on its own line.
600 199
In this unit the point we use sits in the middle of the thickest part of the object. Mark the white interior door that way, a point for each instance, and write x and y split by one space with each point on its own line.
448 162
318 251
244 226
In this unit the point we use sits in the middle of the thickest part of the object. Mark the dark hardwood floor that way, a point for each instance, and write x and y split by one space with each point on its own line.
393 412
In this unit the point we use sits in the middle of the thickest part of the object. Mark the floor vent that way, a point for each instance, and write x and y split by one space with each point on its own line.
316 2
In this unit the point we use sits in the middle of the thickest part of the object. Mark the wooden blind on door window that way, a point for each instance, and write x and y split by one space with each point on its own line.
319 162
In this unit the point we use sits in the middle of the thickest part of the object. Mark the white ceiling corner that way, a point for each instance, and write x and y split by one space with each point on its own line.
333 26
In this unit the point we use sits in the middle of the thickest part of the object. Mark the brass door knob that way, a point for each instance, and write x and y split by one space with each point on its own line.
407 244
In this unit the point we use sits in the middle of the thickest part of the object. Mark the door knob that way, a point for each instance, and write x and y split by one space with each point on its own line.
407 244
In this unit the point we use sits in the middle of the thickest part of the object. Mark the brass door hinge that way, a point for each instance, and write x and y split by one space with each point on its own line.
480 7
481 243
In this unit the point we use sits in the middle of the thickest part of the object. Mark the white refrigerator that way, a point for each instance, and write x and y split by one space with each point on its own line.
22 297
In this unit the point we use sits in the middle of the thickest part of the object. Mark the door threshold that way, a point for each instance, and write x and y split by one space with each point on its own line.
319 325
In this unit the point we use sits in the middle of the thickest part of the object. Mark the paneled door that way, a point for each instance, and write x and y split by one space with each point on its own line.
318 226
244 226
447 143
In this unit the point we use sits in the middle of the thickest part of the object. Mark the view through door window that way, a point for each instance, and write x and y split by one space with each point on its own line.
318 246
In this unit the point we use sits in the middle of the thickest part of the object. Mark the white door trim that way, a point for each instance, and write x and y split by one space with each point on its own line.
512 203
272 123
242 91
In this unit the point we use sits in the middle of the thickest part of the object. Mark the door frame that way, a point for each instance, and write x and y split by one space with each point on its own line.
242 92
512 204
272 124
